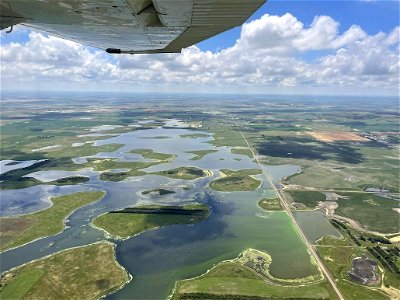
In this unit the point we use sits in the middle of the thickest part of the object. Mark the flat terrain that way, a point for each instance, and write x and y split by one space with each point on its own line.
373 212
270 204
241 180
337 136
16 231
150 154
184 173
247 277
135 220
87 272
201 153
338 256
348 147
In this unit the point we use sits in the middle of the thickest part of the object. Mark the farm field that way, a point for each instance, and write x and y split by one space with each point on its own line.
189 186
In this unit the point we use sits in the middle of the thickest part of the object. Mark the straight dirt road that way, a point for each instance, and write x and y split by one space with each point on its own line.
285 205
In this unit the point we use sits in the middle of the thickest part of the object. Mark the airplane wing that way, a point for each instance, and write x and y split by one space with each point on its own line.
130 26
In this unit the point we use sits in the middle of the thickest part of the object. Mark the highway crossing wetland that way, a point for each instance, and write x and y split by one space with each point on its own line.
151 196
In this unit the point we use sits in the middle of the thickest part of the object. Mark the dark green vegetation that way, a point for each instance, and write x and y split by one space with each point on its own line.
184 173
134 220
270 204
364 208
111 176
82 273
338 255
247 277
276 128
14 180
150 154
24 182
201 153
158 192
194 135
387 257
338 260
242 151
371 211
135 168
16 231
309 198
241 180
54 161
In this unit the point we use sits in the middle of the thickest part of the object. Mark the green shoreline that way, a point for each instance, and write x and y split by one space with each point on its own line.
29 279
24 229
132 221
246 276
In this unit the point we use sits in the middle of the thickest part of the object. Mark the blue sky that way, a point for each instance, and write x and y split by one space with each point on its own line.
372 16
346 47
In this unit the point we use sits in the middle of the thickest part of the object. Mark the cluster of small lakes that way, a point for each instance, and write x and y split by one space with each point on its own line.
156 213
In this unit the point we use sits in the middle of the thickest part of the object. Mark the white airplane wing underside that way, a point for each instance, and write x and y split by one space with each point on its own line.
130 26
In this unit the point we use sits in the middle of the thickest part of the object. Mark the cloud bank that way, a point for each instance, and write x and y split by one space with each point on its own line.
273 53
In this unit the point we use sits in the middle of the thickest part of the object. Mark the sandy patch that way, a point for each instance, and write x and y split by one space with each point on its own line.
337 136
77 144
105 128
46 148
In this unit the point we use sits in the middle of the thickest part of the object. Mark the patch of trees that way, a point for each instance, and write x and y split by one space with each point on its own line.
161 211
70 180
387 259
376 239
354 239
337 224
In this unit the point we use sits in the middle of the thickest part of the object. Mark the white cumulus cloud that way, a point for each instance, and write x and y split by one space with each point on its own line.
272 51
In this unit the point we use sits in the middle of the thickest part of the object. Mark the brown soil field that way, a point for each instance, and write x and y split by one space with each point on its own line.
337 136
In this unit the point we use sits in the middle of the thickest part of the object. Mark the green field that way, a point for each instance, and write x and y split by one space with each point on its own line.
184 173
150 154
247 277
86 272
338 260
135 220
240 180
16 231
371 211
201 153
242 151
309 198
270 204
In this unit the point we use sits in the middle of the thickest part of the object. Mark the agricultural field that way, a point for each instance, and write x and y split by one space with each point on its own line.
240 177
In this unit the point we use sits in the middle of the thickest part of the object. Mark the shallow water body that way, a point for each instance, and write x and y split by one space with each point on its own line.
159 257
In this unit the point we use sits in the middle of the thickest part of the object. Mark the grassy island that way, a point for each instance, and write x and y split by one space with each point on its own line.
240 180
157 192
24 182
87 272
248 277
133 220
270 204
201 153
150 154
16 231
184 173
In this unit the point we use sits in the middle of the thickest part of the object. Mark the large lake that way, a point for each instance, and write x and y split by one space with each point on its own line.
158 258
